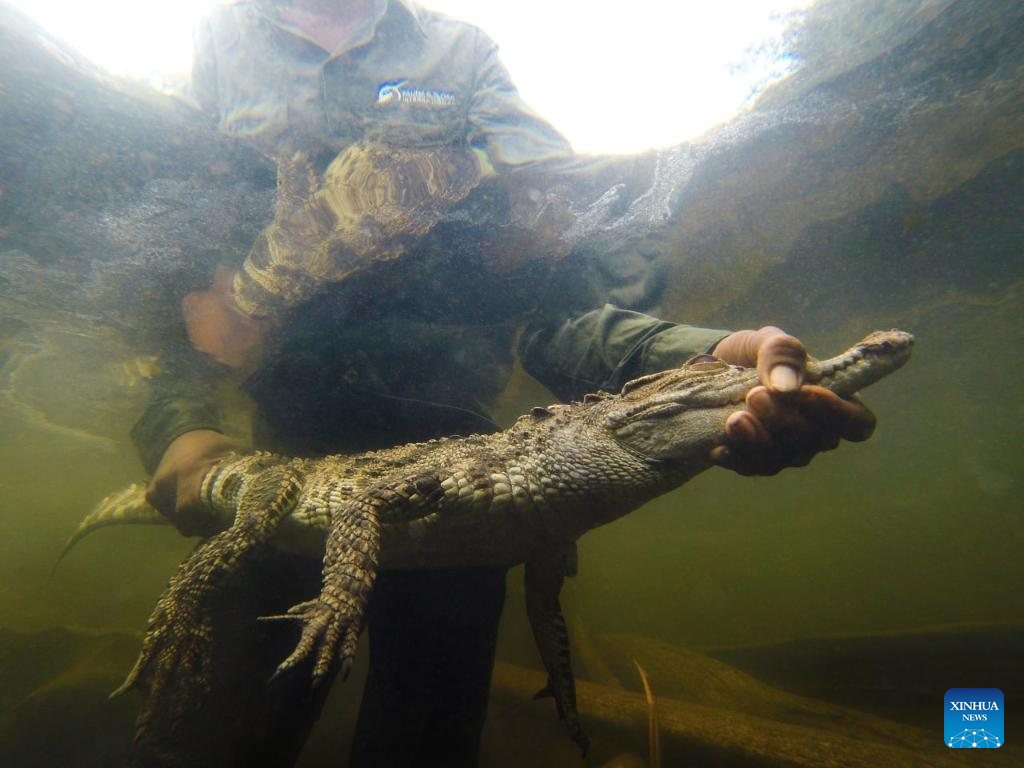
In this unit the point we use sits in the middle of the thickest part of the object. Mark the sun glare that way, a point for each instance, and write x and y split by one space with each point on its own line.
613 77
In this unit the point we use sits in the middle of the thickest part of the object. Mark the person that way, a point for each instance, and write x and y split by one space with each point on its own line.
334 364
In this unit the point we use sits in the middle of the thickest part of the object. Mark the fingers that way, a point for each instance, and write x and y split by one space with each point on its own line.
811 416
748 429
781 430
847 419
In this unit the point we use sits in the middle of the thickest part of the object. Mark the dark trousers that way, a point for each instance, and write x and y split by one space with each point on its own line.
432 641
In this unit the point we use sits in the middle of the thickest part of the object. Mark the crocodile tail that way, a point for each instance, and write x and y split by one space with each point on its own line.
126 507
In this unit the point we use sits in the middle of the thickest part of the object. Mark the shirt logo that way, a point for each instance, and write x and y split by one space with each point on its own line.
396 92
974 718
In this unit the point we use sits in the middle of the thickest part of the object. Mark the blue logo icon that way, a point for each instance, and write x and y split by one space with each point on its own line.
974 718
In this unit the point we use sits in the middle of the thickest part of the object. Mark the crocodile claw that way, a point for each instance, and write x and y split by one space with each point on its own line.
568 715
174 667
328 633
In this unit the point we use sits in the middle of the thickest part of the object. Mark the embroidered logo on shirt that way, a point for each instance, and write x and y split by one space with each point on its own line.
395 92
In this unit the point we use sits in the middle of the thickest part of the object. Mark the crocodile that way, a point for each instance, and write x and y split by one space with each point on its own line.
524 495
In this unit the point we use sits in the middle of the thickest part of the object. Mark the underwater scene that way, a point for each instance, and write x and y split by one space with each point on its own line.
407 271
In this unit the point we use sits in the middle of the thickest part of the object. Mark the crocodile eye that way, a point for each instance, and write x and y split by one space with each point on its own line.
701 359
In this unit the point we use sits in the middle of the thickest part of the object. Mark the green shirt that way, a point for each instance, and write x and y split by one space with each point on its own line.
408 77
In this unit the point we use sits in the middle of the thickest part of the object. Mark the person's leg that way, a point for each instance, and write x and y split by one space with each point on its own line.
432 642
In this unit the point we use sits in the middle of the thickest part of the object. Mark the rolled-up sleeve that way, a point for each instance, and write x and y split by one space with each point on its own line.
183 399
605 348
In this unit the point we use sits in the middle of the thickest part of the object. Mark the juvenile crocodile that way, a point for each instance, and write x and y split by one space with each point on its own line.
519 496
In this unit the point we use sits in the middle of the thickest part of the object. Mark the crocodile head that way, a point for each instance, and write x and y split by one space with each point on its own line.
680 414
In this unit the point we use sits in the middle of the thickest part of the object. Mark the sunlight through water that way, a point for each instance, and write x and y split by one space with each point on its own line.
613 78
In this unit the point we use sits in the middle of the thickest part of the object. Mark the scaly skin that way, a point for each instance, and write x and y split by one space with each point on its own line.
519 496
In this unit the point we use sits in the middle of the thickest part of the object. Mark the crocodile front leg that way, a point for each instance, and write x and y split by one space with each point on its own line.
174 664
544 579
331 623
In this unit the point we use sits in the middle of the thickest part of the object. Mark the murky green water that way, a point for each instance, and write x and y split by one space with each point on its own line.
888 193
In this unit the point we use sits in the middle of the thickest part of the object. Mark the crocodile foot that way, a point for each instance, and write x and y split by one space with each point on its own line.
331 623
174 667
329 631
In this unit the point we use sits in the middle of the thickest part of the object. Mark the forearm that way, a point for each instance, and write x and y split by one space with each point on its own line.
607 347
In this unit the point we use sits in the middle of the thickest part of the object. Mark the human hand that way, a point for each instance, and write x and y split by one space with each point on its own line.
786 423
174 488
217 326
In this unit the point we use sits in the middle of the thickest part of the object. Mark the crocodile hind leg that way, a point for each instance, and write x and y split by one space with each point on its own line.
174 664
544 579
